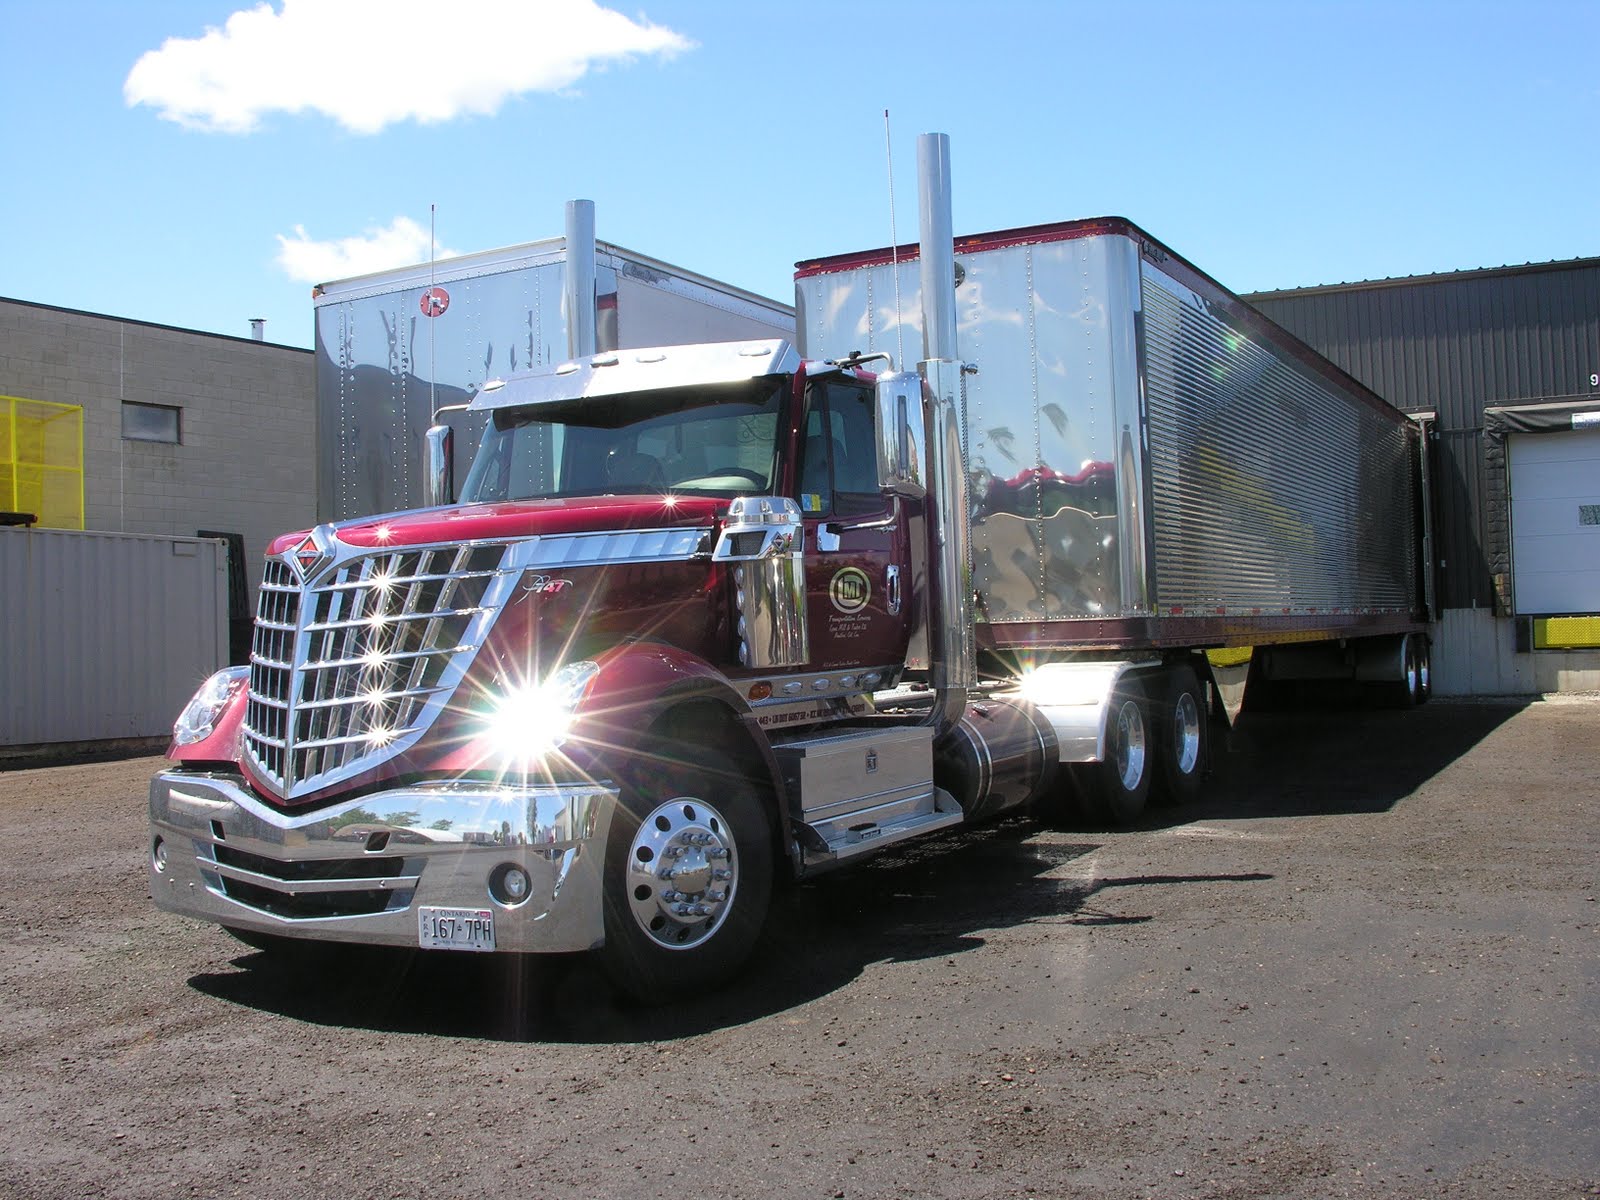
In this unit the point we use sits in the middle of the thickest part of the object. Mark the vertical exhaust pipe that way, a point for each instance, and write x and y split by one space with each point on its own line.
952 659
937 247
578 295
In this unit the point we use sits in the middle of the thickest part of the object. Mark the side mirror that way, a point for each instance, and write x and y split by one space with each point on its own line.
902 437
439 485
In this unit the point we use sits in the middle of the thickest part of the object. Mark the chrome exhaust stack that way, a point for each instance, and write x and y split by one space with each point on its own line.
952 657
578 290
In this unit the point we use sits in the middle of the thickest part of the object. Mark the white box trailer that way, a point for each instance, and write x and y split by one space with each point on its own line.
393 347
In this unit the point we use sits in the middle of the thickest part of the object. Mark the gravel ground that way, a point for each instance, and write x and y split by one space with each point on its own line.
1366 965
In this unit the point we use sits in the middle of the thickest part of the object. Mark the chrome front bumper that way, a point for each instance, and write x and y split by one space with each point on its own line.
358 872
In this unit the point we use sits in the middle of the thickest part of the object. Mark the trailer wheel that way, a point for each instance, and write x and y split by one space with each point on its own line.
1183 738
1117 787
688 876
1415 675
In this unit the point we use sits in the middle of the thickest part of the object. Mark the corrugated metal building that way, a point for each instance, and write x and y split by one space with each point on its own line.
1504 358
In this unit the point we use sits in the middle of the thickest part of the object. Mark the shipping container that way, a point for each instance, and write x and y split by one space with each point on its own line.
105 635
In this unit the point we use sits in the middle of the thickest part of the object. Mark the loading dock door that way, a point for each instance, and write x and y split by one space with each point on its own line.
1555 521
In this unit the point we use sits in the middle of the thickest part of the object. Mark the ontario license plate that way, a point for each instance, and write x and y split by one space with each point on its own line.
455 928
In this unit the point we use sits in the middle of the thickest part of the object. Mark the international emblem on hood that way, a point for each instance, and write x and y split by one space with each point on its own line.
307 556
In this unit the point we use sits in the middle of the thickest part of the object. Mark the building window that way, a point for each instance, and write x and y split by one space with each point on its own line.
150 422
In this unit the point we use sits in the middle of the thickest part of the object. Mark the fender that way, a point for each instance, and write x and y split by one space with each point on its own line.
641 682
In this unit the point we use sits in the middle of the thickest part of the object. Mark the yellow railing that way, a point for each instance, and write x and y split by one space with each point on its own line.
41 461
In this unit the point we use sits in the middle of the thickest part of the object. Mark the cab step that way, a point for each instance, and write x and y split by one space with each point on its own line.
855 792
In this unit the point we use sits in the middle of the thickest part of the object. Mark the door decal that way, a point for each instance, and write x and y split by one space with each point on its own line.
850 590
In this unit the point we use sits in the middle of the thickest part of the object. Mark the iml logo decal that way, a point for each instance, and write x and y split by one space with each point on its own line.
850 590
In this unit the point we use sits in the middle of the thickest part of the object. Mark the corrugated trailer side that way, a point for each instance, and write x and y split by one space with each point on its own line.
1152 463
1283 494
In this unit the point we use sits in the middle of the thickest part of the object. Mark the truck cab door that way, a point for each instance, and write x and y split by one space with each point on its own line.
858 581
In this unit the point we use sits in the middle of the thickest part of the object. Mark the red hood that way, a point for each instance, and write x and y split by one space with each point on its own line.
522 518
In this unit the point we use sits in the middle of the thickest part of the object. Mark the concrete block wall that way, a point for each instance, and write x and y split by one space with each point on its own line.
246 462
1475 654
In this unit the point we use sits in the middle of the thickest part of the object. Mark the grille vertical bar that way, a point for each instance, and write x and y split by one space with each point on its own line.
350 667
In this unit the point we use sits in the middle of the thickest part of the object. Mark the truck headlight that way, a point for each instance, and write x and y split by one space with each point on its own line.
533 720
199 718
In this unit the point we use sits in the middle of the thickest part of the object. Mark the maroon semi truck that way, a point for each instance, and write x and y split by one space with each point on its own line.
706 617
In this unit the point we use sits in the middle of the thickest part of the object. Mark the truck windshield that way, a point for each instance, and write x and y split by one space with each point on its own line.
715 440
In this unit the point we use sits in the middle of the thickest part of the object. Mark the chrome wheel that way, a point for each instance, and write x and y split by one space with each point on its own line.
1182 737
1130 744
682 873
1115 788
1186 734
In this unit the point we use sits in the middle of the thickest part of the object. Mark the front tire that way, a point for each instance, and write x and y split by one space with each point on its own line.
688 876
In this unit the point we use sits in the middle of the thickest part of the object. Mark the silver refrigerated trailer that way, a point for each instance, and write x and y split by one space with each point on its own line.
1154 470
394 347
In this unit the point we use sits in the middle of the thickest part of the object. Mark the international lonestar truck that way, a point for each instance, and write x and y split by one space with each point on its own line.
704 617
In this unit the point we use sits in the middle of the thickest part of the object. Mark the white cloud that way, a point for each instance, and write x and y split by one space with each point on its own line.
371 63
402 243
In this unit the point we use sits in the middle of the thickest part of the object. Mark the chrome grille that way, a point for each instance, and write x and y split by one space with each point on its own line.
299 889
351 666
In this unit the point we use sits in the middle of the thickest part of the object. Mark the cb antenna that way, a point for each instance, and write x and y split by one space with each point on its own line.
894 249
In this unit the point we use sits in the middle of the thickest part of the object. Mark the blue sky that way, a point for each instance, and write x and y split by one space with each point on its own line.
160 172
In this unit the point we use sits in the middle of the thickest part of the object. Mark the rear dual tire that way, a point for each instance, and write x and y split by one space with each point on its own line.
1116 789
1152 750
1416 677
1183 737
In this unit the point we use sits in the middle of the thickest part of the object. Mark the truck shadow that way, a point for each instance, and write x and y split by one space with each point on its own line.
929 900
922 901
1333 760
